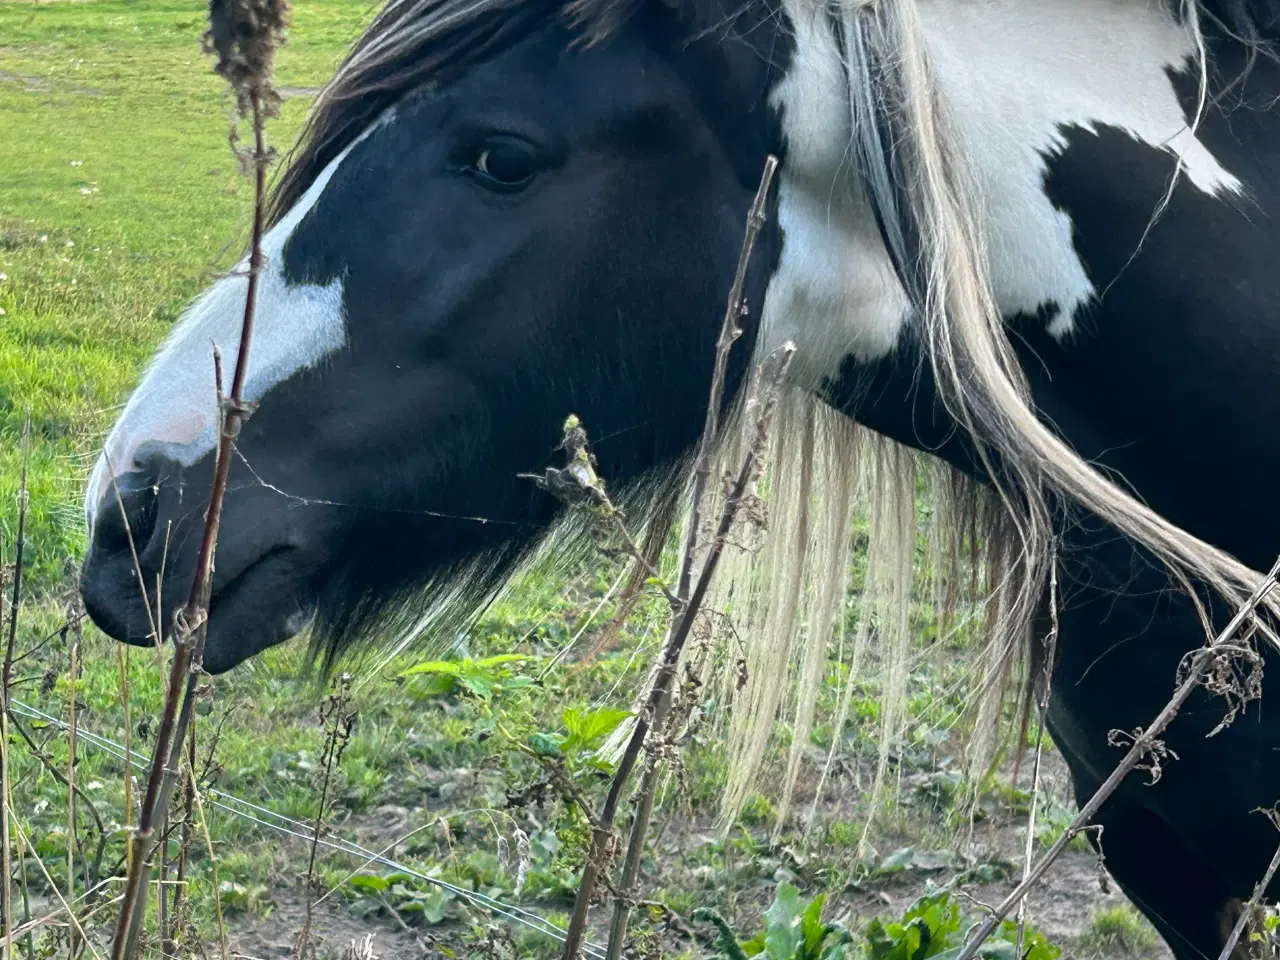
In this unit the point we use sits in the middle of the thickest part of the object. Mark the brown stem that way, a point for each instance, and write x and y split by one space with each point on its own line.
213 871
6 682
684 607
189 627
1042 708
602 828
162 905
1249 909
170 933
729 332
92 871
122 658
1142 744
338 735
71 797
631 865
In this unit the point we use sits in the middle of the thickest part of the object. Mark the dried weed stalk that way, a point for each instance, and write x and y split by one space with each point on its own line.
6 682
340 721
243 35
1251 910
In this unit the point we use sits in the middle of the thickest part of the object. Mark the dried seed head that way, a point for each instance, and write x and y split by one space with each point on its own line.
524 857
244 35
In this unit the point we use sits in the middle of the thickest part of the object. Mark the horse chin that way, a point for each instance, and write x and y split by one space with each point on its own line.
255 611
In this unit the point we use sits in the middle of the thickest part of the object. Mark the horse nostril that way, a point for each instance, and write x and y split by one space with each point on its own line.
131 514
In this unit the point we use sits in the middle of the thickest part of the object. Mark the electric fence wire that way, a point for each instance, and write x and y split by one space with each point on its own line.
271 820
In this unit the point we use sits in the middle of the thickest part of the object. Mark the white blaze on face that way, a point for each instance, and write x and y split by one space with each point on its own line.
1015 74
172 411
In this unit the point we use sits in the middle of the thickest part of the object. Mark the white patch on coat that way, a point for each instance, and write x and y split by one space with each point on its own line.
834 291
1016 74
172 411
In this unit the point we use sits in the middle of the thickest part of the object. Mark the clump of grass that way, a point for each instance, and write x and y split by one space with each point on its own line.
758 811
1118 930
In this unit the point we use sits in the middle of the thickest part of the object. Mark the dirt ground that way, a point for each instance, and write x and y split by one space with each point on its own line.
1062 907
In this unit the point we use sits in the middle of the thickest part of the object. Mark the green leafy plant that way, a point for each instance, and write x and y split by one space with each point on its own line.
411 899
483 679
792 931
244 898
1118 930
935 927
585 730
928 928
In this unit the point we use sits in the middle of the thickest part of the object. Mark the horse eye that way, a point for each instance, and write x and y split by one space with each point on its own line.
504 166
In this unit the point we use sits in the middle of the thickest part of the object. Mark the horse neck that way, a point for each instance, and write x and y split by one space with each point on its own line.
1015 78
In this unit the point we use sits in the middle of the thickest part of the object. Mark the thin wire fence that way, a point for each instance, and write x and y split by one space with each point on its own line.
269 819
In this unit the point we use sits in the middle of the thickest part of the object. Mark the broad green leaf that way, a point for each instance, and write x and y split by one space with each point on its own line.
587 726
369 884
438 685
812 930
433 666
545 744
478 683
781 923
435 903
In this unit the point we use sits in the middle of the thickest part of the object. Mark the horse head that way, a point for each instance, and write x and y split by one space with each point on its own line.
493 223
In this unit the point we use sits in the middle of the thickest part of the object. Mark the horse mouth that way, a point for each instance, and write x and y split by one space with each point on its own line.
255 609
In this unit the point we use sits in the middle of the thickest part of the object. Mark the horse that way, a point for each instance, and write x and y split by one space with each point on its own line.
1028 242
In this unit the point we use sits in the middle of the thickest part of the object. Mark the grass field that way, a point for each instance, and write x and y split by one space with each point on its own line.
119 198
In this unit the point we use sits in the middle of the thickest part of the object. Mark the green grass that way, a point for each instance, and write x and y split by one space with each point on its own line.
1118 930
119 197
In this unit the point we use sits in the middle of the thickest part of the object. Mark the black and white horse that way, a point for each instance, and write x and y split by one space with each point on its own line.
1032 238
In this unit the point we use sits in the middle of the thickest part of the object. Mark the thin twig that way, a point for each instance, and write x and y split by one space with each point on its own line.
255 98
1249 909
631 864
71 915
339 736
682 625
683 609
1143 743
213 870
122 658
1042 707
27 929
730 331
71 793
6 682
39 754
180 881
